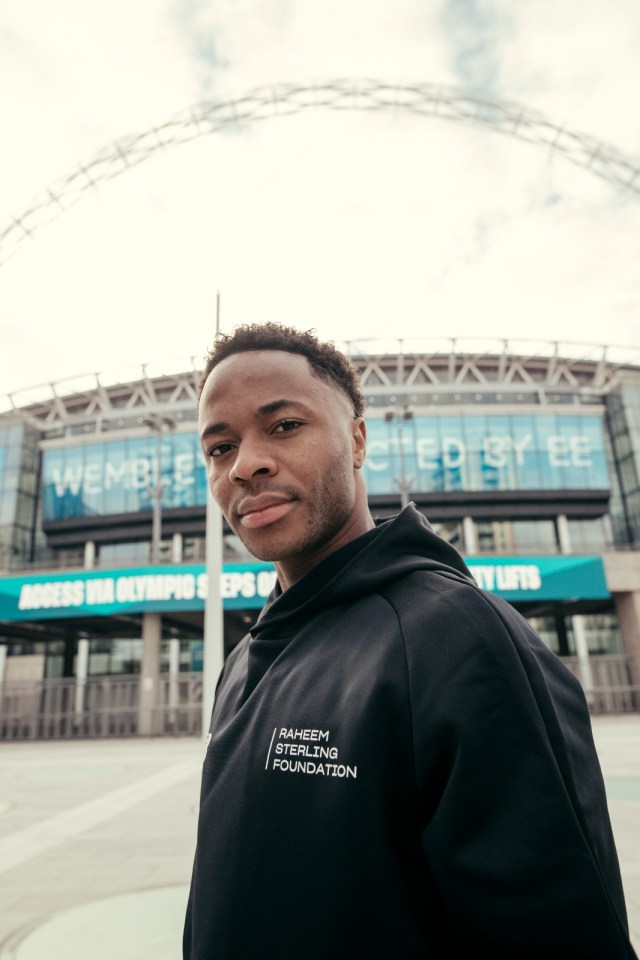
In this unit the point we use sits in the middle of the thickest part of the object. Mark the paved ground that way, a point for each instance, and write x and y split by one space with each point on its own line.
97 839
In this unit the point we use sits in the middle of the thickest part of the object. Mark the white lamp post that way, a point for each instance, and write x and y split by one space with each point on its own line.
157 423
403 482
213 646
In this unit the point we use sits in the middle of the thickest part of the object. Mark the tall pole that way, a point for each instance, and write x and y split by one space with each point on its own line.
403 482
156 424
213 640
148 716
213 643
156 527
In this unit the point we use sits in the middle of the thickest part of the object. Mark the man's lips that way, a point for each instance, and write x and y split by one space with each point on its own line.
263 510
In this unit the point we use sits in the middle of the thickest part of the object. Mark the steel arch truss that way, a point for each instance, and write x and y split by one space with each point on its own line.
211 116
100 402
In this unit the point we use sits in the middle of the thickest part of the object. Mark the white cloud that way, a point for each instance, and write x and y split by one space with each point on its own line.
577 61
359 225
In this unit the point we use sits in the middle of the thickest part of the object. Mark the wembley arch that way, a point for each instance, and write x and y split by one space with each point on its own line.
424 99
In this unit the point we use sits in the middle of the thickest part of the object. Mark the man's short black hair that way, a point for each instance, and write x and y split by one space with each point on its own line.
326 361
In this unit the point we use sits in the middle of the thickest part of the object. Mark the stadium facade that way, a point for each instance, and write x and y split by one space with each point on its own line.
527 460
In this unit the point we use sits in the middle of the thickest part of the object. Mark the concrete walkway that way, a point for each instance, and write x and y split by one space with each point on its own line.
97 841
96 847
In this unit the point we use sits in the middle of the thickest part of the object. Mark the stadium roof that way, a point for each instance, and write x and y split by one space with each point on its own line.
432 366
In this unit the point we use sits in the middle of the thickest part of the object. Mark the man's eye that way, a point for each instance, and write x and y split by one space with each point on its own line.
219 450
286 426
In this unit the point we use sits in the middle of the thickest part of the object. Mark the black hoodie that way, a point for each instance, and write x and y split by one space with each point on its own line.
399 768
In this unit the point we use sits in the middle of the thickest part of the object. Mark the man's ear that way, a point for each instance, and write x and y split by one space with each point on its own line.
359 442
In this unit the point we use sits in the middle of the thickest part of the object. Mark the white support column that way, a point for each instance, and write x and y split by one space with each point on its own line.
628 613
149 673
582 653
470 536
82 671
89 555
176 548
564 539
213 653
3 665
174 677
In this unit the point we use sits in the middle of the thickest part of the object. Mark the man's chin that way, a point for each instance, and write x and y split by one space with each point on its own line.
261 548
272 548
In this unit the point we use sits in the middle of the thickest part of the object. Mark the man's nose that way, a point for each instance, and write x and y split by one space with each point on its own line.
252 459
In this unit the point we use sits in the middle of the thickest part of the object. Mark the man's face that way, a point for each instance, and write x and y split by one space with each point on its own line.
283 454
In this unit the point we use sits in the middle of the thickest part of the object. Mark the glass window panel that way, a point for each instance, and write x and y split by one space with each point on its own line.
453 453
140 462
165 451
498 454
185 457
12 436
99 655
534 536
377 470
473 434
602 633
70 483
135 551
117 478
7 507
427 462
13 456
401 439
588 535
491 536
126 655
25 510
475 429
51 472
11 480
200 478
94 479
555 454
63 483
193 548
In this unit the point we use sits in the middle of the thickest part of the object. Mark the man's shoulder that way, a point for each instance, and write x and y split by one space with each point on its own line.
445 599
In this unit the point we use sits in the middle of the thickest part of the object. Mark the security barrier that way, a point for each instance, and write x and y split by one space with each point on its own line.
110 706
100 707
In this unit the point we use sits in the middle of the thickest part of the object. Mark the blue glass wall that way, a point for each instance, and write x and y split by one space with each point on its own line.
440 454
119 476
487 452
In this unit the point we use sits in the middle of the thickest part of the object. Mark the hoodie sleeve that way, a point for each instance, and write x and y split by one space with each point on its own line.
515 826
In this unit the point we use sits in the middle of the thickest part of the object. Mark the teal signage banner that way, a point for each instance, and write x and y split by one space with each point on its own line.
134 590
541 578
246 586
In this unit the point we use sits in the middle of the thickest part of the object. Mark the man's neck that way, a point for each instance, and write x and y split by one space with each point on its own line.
289 571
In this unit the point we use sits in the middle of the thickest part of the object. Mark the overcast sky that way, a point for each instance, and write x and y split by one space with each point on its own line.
378 224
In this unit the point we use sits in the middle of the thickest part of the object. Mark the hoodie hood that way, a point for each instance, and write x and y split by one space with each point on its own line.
368 564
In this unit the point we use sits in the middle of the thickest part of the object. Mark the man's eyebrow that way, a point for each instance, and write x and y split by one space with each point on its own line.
277 405
273 407
213 428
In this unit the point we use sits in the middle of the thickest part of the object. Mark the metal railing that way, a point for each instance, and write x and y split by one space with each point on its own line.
110 706
100 707
612 684
179 712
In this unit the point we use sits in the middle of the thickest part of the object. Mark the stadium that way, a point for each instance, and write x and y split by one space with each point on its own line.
525 456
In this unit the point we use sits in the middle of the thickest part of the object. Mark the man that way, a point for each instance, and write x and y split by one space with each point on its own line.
397 766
